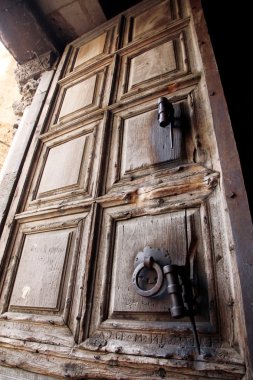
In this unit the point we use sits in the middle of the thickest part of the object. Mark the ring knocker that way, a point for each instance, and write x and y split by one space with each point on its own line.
148 263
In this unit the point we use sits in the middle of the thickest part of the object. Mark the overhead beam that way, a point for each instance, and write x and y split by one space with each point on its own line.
22 31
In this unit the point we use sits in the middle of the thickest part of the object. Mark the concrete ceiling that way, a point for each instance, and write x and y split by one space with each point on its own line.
31 28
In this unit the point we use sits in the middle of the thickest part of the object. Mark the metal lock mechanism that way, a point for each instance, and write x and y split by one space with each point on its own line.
154 274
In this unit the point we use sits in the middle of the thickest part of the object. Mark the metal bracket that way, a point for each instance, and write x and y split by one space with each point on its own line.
166 116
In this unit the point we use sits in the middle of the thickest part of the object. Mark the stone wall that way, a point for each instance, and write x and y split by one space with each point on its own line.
18 84
9 93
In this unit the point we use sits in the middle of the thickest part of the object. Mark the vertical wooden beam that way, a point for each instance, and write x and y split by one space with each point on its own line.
13 164
236 197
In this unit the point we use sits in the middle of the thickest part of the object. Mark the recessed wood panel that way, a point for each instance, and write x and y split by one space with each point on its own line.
78 96
41 268
126 231
94 47
140 146
90 50
145 143
47 277
63 165
166 231
81 93
151 19
67 165
152 63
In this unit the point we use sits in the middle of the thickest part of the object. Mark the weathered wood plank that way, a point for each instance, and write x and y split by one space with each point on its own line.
107 366
13 165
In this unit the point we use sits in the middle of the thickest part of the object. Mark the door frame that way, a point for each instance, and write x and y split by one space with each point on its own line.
236 197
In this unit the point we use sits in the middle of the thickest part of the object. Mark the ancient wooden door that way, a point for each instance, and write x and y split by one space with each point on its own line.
107 181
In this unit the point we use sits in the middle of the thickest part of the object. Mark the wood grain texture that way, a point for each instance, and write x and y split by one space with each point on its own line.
12 374
145 143
152 19
107 365
13 165
90 50
59 171
146 65
48 252
78 96
154 62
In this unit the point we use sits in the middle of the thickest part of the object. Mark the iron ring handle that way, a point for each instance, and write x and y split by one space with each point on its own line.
156 287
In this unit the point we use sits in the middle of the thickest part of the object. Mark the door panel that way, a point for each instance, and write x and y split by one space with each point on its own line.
56 177
148 64
50 252
94 47
108 183
48 263
154 17
140 147
77 91
66 176
129 234
144 66
87 92
90 50
138 140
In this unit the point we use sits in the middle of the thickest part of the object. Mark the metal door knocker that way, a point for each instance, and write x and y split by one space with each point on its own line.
150 264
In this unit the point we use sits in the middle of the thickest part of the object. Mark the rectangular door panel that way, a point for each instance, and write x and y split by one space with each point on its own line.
119 310
80 93
93 47
68 163
140 146
152 63
46 278
62 157
90 50
153 18
144 145
40 289
162 60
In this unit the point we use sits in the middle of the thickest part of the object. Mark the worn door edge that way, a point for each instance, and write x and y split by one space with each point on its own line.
233 183
14 161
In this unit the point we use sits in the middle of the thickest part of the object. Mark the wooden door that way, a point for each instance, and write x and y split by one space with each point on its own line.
105 182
